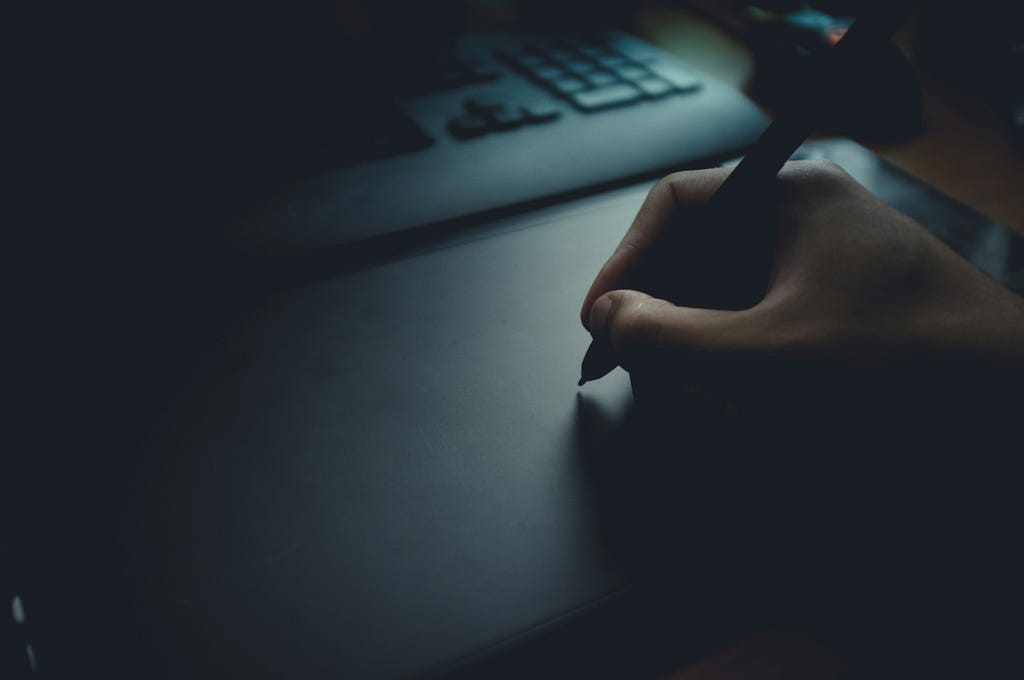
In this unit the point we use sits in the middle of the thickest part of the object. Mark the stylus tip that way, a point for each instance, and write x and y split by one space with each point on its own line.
581 382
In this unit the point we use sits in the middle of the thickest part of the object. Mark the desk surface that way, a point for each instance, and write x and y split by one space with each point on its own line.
964 149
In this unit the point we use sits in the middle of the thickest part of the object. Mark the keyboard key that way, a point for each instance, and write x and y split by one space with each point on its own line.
602 78
654 87
541 112
568 85
467 126
548 72
682 79
612 61
481 106
506 118
614 95
581 66
631 72
633 50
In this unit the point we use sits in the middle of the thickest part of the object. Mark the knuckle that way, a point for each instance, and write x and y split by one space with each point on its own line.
665 183
687 187
826 167
814 176
665 188
636 323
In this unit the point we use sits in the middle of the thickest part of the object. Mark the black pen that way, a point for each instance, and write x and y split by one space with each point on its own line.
755 173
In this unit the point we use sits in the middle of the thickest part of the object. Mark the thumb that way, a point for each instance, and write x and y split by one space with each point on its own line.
645 332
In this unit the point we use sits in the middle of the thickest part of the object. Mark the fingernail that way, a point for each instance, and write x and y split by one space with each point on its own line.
599 315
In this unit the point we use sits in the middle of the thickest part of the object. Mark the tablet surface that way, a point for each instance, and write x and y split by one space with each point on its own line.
384 473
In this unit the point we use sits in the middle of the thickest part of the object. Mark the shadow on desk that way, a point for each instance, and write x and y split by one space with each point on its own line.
874 512
871 512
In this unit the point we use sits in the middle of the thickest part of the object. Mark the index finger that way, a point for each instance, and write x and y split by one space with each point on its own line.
663 206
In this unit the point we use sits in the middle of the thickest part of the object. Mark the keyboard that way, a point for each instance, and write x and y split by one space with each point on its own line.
504 123
589 74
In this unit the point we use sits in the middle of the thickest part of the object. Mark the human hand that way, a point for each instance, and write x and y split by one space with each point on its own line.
854 284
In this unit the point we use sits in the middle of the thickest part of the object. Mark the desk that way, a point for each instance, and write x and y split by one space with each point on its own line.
964 149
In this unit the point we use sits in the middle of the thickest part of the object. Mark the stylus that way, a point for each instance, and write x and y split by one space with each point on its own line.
756 172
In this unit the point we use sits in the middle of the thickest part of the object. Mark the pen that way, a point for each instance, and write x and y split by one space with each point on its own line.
741 283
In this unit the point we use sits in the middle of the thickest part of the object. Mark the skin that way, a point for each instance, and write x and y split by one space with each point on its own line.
855 285
875 492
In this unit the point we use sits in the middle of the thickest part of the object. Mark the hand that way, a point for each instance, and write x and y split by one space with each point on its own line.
854 284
